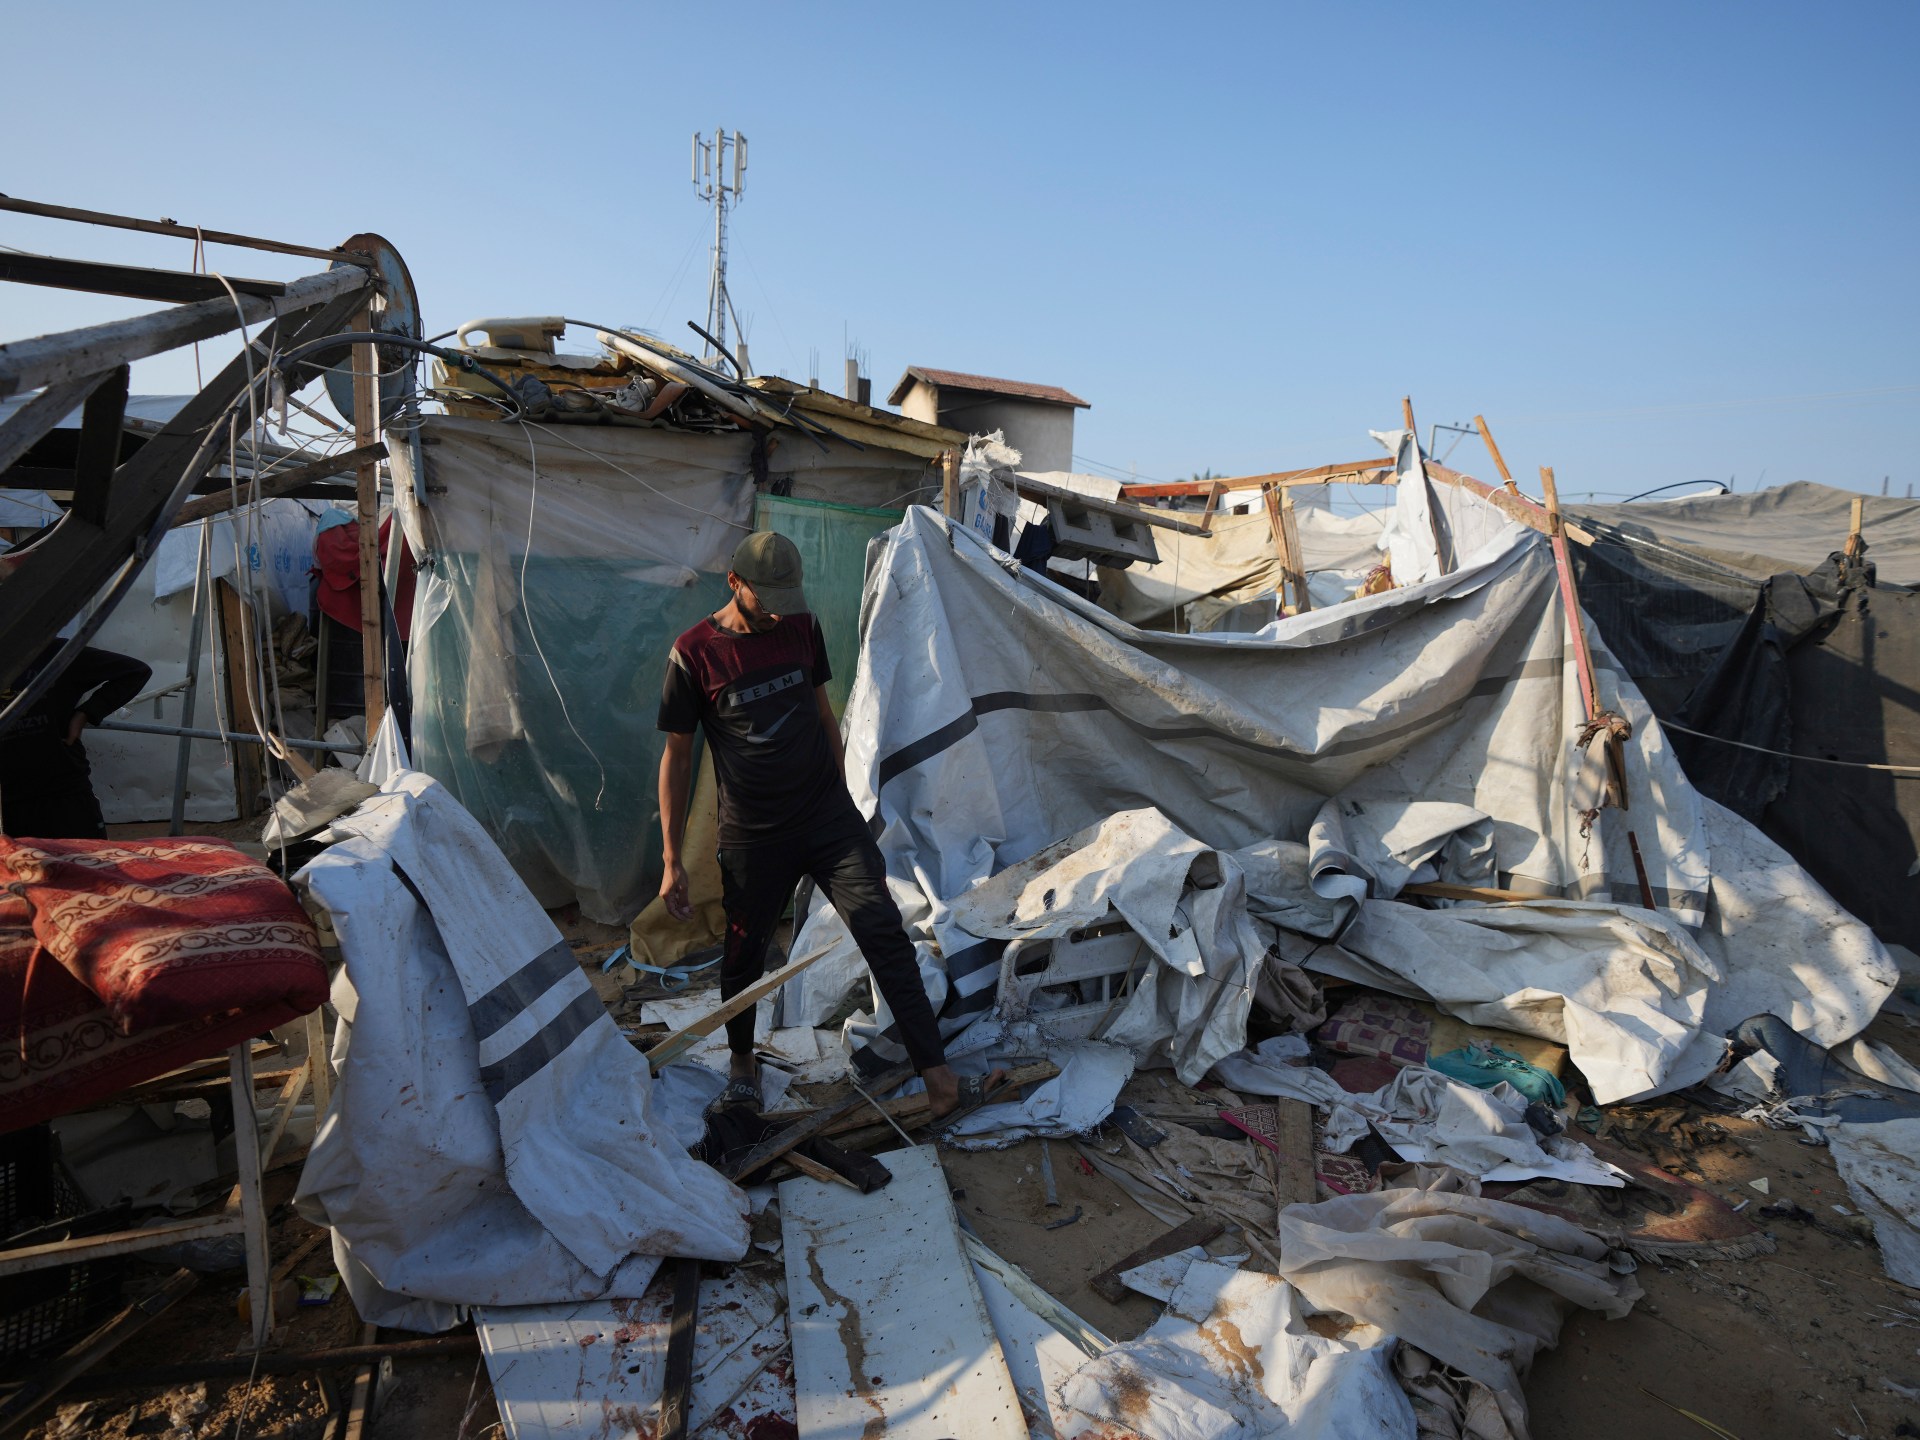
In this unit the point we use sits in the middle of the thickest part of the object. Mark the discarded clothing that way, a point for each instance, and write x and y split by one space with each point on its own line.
1485 1066
1437 1268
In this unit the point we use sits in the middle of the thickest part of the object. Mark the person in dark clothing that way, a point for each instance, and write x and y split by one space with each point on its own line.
46 784
752 676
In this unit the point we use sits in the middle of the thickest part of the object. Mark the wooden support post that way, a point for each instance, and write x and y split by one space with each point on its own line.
1213 506
249 761
1499 460
950 484
1406 416
366 432
249 1196
1282 551
319 1064
1290 527
353 1420
1853 527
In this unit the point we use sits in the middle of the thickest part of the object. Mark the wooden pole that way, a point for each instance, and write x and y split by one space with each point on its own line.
676 1390
1499 460
1314 475
1213 505
1853 527
1290 527
271 486
1569 599
1281 551
1406 415
366 433
249 762
950 484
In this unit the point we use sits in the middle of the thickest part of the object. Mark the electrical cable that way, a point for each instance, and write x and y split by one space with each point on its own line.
1899 770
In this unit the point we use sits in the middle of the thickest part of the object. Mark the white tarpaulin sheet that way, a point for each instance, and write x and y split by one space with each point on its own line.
996 714
492 1140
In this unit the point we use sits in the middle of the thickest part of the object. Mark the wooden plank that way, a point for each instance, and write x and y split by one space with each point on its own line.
160 1377
28 425
366 432
1853 526
1196 1231
1159 519
1282 555
249 1195
118 1242
71 354
1439 890
1499 460
949 483
891 1335
676 1394
1290 527
171 227
249 764
97 456
136 282
53 1376
353 1420
681 1041
804 1129
272 486
1294 1182
1313 475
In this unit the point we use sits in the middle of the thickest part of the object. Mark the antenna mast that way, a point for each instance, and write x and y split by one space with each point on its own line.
711 183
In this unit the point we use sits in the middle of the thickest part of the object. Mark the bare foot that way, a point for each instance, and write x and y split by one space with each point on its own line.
945 1088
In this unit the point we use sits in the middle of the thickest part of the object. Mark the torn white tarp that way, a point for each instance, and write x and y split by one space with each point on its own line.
1369 848
1071 1103
1881 1165
996 713
1425 1116
491 1139
1187 904
1441 1269
1233 1358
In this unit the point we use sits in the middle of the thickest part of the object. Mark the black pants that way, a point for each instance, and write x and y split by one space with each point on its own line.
758 880
46 791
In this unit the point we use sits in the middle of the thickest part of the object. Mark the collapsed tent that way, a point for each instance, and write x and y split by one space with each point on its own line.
1787 671
996 714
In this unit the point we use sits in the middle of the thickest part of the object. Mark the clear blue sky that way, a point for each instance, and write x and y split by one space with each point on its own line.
1650 242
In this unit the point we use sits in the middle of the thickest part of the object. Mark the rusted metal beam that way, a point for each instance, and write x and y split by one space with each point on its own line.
172 227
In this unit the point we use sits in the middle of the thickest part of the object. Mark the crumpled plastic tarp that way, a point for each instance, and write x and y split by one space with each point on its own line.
1425 1116
1437 1267
997 713
1233 1358
492 1138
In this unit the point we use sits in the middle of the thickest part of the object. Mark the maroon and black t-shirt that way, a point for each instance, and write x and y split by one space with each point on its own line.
753 696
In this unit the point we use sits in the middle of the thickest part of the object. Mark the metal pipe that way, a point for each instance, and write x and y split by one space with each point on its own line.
169 227
135 727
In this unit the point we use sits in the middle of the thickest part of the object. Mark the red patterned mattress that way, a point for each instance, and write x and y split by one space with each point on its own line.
120 960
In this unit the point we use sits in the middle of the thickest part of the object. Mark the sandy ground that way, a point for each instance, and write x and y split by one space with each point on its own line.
1808 1342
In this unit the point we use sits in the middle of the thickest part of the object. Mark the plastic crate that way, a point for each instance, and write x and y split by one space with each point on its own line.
40 1204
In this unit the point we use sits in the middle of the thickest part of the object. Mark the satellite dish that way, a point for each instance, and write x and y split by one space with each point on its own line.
396 311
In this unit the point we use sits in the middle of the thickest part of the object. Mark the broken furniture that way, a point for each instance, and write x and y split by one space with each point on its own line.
188 948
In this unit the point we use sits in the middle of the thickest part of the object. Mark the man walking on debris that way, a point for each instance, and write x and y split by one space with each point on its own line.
753 676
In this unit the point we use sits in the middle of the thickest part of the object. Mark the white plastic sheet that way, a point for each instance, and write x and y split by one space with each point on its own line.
1881 1165
1439 1269
491 1139
996 714
1425 1116
1233 1358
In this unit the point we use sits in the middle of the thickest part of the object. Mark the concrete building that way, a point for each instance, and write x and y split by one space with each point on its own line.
1037 420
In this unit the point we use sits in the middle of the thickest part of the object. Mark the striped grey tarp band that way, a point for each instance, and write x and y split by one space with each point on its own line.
933 743
505 1075
520 989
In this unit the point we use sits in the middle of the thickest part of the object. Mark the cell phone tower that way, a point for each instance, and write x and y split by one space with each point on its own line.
711 183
